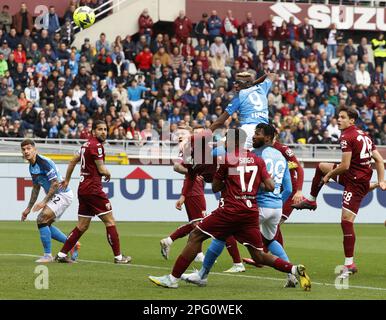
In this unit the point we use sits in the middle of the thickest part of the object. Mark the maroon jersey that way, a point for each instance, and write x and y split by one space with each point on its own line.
360 144
90 178
192 187
295 168
242 174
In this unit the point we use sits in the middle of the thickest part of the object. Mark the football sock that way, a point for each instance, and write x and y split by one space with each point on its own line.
182 231
45 237
180 266
113 239
348 238
57 235
277 250
231 245
348 261
283 266
279 236
72 239
317 183
213 252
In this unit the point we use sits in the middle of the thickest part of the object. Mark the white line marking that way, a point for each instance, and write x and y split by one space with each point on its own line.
212 273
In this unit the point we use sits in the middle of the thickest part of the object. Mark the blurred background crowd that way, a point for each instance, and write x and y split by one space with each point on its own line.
140 84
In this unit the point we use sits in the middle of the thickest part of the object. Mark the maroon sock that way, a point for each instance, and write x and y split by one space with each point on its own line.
182 231
72 239
317 182
113 239
231 244
348 238
283 266
180 266
279 236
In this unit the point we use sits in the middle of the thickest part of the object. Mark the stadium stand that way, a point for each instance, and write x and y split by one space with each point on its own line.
51 89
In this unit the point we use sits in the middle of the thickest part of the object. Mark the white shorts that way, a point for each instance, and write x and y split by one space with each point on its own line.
269 220
60 202
250 131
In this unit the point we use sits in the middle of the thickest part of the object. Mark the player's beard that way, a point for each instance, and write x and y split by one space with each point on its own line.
100 139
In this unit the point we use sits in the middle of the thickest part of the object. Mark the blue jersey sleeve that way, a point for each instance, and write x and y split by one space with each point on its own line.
287 185
50 170
233 106
266 85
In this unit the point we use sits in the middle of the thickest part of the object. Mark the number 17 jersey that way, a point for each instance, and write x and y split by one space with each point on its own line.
90 178
242 174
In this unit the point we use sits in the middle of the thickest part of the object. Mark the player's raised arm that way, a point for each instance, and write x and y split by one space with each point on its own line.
340 169
219 121
103 170
380 167
70 170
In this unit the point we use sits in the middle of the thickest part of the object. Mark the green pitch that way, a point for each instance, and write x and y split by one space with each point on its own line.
318 246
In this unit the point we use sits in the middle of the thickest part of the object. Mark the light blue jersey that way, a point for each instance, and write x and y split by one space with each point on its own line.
252 104
277 167
43 171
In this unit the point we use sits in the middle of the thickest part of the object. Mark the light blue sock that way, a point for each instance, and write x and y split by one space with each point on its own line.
57 235
45 237
276 249
213 252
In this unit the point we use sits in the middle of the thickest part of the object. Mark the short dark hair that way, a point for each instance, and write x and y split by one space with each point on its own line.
27 142
269 130
351 112
95 124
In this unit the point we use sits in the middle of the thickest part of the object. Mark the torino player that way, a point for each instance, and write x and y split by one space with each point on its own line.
192 196
92 200
238 179
250 101
354 173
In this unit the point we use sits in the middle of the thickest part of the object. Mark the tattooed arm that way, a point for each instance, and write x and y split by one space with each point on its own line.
34 196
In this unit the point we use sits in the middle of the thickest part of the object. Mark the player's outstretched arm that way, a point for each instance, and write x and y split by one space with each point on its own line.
34 196
340 169
70 170
380 167
219 121
103 170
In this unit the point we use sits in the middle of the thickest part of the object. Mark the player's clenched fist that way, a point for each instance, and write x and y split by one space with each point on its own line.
180 202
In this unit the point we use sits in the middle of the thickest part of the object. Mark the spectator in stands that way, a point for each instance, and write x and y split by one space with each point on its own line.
349 49
145 23
230 30
362 48
214 26
182 27
102 43
201 28
5 19
293 29
249 30
5 49
333 36
51 21
362 76
307 33
22 20
379 49
268 30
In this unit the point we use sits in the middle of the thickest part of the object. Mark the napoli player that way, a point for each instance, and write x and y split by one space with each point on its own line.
45 174
238 179
250 101
92 200
354 173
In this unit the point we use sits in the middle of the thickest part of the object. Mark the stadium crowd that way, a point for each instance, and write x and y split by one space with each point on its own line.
49 88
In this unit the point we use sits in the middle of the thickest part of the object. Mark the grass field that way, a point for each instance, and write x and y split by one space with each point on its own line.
318 246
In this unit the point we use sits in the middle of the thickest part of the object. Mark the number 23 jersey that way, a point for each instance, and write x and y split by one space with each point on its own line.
242 174
360 144
90 178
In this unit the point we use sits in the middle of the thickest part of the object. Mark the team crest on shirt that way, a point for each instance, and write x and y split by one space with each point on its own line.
343 144
99 150
108 206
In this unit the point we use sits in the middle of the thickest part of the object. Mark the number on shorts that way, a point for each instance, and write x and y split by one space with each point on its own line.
347 196
244 170
56 200
366 151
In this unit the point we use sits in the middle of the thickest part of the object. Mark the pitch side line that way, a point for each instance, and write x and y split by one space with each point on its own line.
214 273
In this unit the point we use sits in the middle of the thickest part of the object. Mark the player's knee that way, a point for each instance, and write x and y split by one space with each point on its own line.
258 256
83 227
44 219
195 235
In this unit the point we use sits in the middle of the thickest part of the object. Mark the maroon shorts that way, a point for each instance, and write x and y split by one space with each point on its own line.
287 209
354 192
244 227
91 205
195 207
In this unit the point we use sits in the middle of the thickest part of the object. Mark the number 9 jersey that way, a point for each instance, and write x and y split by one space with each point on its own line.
90 178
